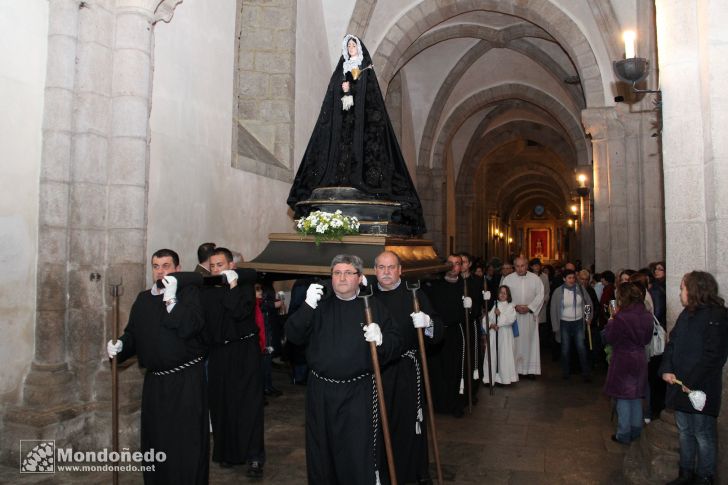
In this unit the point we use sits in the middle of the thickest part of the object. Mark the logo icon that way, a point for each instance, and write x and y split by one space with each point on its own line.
37 456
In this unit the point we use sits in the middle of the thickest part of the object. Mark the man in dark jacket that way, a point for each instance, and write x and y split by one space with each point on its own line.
694 360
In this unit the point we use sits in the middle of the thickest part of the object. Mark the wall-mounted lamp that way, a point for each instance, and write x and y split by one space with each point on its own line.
583 189
510 240
570 222
632 69
574 209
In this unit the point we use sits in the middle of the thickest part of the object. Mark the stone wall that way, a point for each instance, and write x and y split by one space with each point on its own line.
264 117
23 54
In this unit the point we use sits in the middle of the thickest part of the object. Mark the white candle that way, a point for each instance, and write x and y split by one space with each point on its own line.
629 37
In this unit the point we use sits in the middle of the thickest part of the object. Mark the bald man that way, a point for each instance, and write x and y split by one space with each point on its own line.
528 297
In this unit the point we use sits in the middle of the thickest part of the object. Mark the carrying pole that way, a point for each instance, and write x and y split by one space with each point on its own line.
428 391
115 289
380 392
468 365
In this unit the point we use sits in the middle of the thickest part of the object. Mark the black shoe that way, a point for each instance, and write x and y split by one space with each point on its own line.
686 476
587 379
458 413
255 470
703 480
224 464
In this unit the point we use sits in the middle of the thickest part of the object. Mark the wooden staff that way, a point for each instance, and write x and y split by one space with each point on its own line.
468 365
487 346
115 289
426 375
380 391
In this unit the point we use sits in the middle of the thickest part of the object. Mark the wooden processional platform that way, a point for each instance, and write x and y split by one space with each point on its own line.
291 256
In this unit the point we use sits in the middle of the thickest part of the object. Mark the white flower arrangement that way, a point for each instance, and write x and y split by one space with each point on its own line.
325 226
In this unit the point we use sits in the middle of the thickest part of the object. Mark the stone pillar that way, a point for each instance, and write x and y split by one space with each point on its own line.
466 223
92 223
693 62
430 188
693 47
609 187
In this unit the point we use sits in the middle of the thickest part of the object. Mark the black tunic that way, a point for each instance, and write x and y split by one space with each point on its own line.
340 405
357 148
174 417
404 386
235 387
447 359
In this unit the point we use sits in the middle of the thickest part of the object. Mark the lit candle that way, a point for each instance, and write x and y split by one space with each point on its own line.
629 37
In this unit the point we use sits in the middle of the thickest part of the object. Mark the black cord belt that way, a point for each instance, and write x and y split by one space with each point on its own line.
340 381
178 368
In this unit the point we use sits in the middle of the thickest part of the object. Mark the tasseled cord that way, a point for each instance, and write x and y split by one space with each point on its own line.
476 376
376 474
418 428
347 102
462 385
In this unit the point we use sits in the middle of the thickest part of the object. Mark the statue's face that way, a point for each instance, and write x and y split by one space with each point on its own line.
352 48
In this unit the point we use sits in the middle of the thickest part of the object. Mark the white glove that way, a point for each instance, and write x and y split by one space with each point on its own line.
114 348
467 302
372 333
486 295
420 319
314 294
364 281
170 287
230 275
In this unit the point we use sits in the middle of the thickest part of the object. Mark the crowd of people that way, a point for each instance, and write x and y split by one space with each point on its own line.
207 349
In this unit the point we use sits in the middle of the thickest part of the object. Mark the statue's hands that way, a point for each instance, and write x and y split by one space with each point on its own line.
345 86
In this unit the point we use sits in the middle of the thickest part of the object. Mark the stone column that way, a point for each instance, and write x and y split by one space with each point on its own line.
92 222
693 63
610 219
431 193
693 48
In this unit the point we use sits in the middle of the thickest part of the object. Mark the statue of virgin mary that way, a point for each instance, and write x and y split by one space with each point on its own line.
353 144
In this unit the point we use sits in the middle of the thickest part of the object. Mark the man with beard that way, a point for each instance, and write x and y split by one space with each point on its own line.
164 333
343 439
447 359
403 386
235 386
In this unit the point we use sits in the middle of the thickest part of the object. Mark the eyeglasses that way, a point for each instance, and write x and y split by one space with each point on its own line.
391 267
348 274
659 269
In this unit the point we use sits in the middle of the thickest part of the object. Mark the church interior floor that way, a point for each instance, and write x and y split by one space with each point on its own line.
542 431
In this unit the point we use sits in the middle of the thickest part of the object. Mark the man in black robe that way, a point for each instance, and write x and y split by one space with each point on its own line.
447 359
343 435
403 385
164 333
235 387
475 292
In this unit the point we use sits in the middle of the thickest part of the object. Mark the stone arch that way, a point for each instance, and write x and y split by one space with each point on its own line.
543 13
505 92
510 37
543 134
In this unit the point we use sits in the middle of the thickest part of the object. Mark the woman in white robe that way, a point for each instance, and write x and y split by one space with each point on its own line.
500 321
